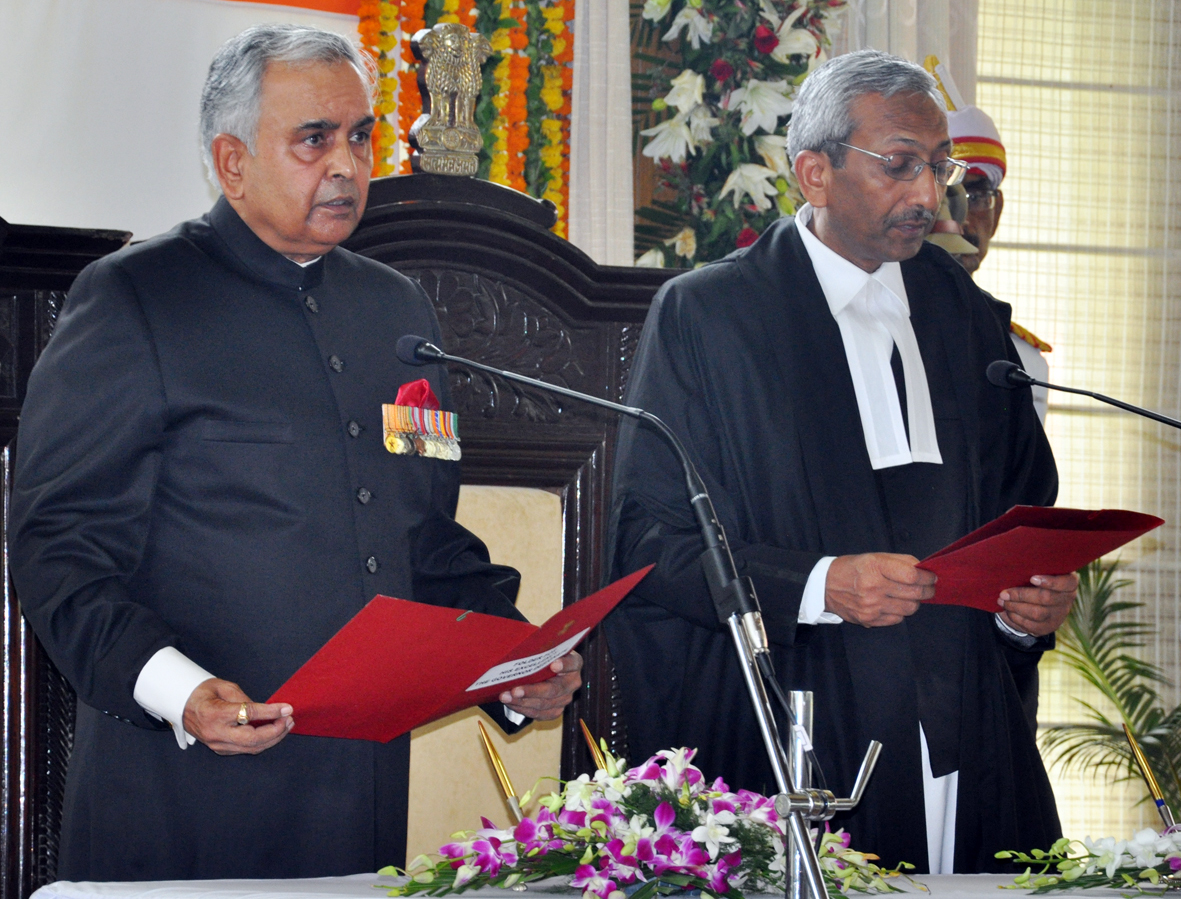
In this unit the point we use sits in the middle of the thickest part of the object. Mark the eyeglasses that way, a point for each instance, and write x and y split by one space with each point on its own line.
905 167
980 200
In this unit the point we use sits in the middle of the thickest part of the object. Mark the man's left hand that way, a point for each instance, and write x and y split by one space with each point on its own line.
545 700
1040 609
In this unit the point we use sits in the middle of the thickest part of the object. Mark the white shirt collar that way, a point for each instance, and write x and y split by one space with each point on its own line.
873 314
839 278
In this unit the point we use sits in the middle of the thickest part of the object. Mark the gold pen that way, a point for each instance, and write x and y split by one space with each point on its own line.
506 785
1149 778
595 752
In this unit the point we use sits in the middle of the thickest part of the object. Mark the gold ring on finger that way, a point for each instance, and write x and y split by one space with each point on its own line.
243 717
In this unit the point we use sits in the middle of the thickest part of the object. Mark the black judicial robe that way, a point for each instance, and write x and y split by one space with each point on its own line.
192 452
743 359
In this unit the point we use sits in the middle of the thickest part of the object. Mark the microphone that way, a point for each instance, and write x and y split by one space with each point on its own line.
1003 373
414 350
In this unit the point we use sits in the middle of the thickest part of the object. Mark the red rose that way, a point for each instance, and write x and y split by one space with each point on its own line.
765 39
721 70
746 237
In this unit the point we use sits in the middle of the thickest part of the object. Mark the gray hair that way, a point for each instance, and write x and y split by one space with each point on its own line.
821 118
231 98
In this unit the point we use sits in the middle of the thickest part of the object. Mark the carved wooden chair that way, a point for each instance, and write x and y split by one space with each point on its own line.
508 293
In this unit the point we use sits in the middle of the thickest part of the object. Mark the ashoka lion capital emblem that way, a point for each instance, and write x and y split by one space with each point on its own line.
445 137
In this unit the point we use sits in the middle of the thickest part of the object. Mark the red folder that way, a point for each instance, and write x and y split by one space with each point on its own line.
398 665
1025 541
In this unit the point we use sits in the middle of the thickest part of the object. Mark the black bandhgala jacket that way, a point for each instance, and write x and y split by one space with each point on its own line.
192 455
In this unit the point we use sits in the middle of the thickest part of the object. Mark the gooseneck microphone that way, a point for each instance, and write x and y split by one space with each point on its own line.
1010 375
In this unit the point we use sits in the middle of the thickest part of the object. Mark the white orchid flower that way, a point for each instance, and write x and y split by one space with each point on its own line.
773 149
654 258
580 793
671 138
699 27
714 833
761 103
684 242
655 10
688 90
753 180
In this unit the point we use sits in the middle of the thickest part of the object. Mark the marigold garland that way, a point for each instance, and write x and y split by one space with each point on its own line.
524 112
378 25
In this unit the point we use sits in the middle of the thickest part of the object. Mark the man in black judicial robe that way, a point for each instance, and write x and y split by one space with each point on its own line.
201 478
745 361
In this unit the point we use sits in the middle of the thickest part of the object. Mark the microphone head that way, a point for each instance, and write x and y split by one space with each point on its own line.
1003 373
414 350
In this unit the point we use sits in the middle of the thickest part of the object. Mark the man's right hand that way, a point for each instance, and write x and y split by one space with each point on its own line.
876 589
211 715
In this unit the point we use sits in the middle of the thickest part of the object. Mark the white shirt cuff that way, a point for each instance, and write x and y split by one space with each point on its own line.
812 604
1008 628
514 717
164 686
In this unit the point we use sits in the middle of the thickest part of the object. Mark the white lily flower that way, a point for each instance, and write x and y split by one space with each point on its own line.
684 242
688 90
702 124
753 180
654 258
714 833
699 27
671 138
768 12
773 149
655 10
792 40
761 103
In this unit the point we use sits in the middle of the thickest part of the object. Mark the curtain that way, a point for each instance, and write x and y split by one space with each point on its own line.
1087 98
601 205
914 29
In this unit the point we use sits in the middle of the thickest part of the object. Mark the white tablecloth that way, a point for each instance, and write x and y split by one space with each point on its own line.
364 886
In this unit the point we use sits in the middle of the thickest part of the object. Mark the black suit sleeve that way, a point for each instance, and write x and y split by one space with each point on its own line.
87 460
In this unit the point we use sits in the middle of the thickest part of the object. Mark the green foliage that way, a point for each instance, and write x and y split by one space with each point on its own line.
1100 645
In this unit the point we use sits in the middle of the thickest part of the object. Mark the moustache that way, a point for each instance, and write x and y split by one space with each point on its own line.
347 192
920 216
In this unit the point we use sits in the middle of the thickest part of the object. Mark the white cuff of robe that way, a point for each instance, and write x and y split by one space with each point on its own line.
812 603
164 686
514 717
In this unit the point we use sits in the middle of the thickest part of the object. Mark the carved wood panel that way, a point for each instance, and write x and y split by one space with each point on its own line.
38 703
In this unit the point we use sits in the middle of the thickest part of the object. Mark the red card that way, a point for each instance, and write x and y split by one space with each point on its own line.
398 665
1025 541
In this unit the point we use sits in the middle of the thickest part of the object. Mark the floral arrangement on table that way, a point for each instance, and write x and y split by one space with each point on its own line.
719 138
1147 862
659 828
524 107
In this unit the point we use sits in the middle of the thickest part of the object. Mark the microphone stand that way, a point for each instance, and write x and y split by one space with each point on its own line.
737 608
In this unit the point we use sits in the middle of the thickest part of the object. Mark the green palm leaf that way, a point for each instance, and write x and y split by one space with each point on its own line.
1101 647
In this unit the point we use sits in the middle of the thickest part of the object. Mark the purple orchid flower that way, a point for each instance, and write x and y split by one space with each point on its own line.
587 879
